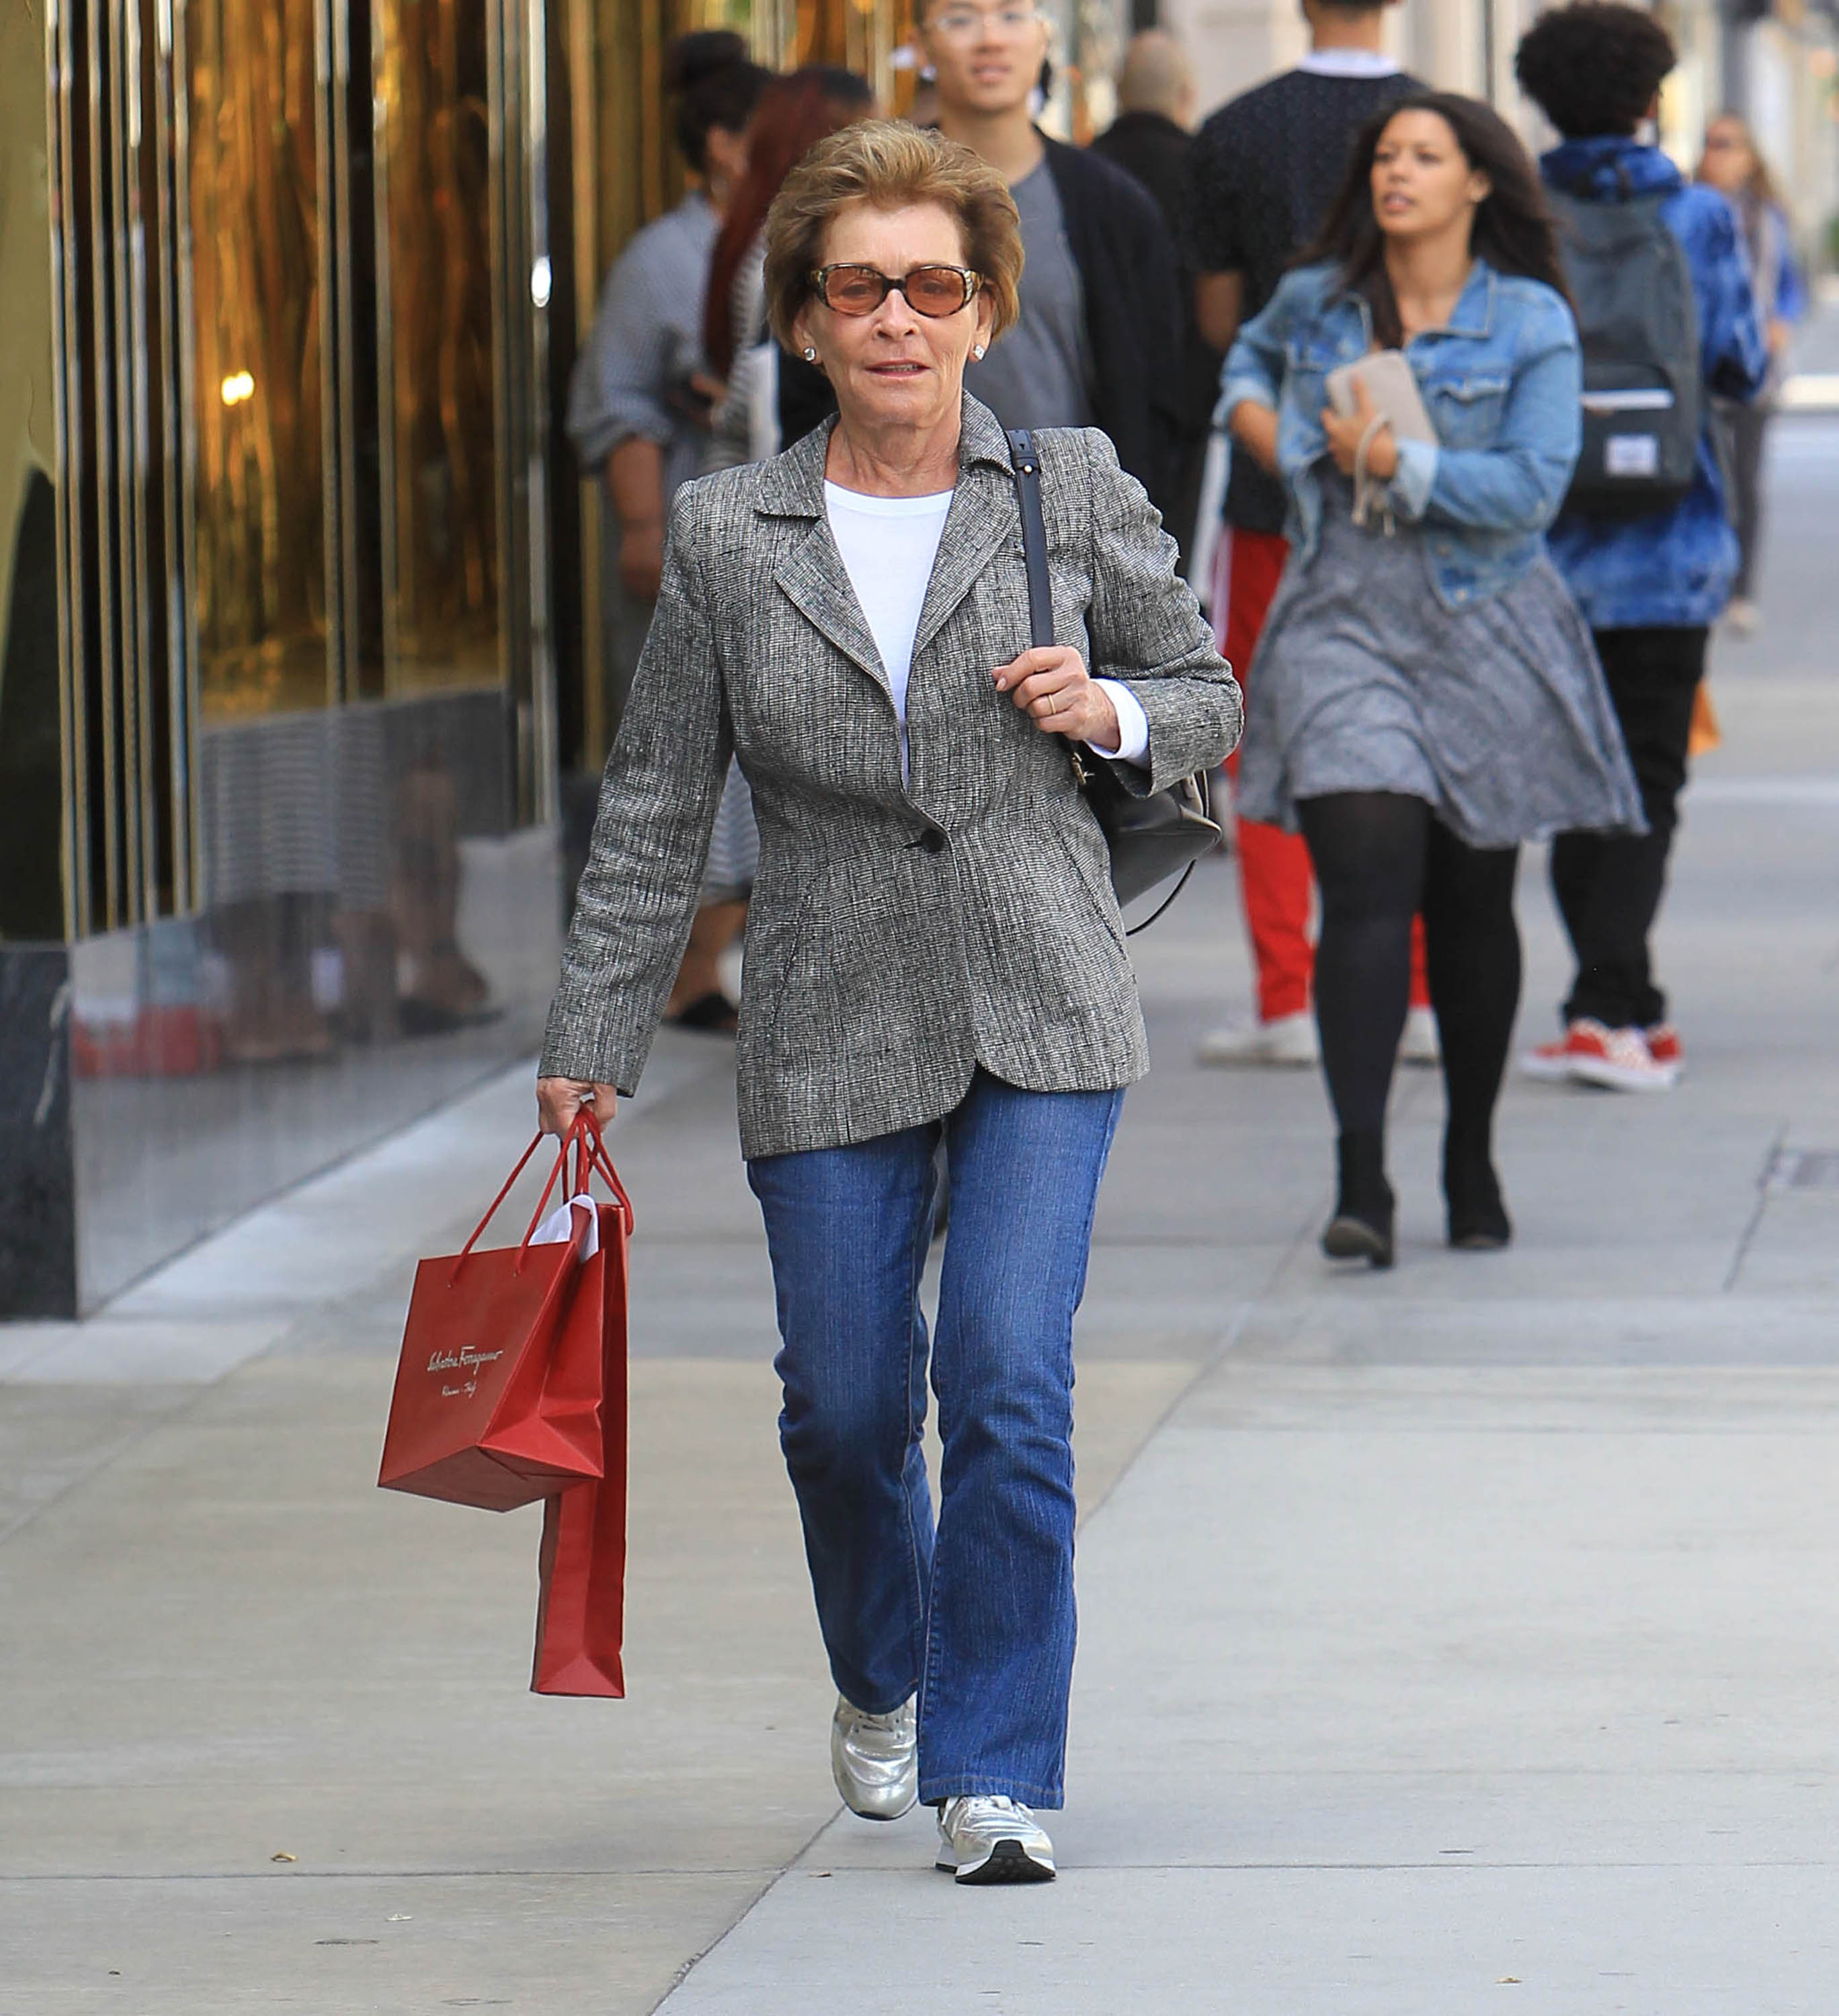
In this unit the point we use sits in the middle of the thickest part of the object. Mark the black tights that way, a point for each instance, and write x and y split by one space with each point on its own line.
1380 857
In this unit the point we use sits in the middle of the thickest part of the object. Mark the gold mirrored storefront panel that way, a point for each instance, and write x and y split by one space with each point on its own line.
435 336
31 741
256 119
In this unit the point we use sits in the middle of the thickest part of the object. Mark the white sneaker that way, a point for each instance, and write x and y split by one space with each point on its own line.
1288 1039
993 1841
875 1760
1419 1045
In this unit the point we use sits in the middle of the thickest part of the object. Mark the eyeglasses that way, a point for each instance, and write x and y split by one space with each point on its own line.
929 291
959 24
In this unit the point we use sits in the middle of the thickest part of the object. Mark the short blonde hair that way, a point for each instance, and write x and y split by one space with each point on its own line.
891 165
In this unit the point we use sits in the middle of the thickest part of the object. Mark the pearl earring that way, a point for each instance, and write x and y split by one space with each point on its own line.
810 355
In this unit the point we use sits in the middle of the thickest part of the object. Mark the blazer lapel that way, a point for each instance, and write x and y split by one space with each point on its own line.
813 574
983 517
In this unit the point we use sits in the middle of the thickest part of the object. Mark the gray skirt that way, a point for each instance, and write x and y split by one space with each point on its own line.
1495 715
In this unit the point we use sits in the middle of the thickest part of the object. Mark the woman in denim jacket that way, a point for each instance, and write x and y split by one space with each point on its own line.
1427 696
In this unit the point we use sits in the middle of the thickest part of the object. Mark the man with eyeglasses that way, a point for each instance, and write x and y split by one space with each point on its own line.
1097 343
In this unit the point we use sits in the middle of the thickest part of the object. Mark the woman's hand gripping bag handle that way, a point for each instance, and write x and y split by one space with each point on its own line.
581 1603
498 1398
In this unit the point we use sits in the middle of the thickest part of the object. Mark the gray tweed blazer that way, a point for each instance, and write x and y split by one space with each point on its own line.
901 933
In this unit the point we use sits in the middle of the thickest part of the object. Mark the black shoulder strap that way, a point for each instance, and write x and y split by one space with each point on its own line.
1034 535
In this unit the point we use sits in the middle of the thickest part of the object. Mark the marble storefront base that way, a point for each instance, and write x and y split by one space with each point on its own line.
37 1181
142 1108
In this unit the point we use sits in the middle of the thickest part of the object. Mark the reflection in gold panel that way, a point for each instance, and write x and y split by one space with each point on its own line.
31 759
623 127
255 146
441 585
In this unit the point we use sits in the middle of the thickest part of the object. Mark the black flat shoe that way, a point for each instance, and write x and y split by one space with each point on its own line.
1478 1220
1362 1227
708 1015
1350 1238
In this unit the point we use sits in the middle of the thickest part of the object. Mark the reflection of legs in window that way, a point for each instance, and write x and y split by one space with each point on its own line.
367 954
439 987
268 943
31 790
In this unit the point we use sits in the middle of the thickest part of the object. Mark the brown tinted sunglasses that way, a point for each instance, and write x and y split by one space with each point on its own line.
929 291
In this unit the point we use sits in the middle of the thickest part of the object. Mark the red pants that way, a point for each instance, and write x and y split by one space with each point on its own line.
1276 888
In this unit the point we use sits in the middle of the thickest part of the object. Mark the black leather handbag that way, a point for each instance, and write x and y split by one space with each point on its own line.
1150 838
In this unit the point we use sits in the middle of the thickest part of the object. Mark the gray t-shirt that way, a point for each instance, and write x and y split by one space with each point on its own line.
1039 374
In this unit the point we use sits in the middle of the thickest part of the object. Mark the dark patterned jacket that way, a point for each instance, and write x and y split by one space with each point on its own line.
902 933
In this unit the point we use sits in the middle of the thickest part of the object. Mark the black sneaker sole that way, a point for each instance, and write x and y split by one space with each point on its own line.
1008 1862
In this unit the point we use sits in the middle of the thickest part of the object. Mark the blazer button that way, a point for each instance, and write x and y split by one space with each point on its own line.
933 841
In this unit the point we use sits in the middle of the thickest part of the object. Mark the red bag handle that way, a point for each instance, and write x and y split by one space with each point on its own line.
590 1153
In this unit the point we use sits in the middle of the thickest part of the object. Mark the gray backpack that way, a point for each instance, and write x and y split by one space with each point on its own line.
1643 391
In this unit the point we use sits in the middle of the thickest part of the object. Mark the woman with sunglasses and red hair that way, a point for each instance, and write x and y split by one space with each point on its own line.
772 398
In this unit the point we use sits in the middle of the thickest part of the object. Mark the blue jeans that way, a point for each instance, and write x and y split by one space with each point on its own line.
976 1613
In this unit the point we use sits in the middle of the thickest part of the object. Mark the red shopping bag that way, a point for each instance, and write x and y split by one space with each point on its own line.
581 1568
497 1400
512 1384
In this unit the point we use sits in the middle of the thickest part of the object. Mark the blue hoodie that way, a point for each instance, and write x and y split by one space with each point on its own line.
1676 566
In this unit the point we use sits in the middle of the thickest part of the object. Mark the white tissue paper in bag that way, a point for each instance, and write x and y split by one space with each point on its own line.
558 1228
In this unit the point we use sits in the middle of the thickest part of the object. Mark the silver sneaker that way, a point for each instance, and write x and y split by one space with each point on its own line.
875 1760
993 1841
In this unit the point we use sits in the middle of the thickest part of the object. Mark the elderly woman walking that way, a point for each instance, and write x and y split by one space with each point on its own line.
934 952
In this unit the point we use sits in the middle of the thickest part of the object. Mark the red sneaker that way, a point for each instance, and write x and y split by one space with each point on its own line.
1590 1053
1665 1048
1551 1062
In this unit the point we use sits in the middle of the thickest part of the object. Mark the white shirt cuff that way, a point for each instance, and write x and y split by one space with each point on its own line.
1133 724
1414 479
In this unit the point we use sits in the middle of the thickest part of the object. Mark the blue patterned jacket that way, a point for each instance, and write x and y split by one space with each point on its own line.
1675 566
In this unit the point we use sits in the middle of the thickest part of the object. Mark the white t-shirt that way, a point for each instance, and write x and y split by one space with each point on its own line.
889 544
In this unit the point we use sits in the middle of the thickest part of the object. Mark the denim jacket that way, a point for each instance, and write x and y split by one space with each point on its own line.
1501 383
1671 567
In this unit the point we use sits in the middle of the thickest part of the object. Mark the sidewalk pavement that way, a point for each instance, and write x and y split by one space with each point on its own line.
1453 1638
